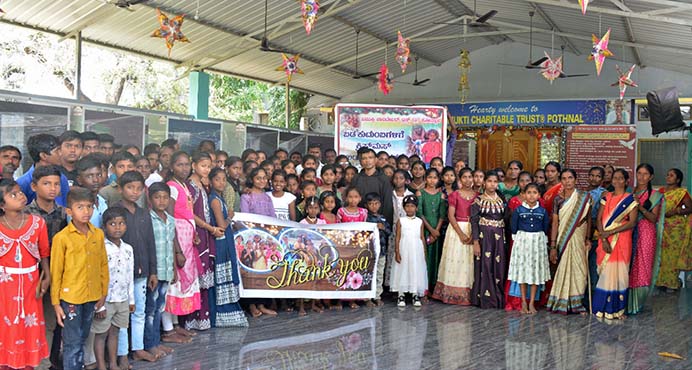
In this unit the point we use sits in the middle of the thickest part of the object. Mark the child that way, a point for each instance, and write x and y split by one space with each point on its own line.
433 211
478 180
45 182
374 202
418 177
292 184
90 176
288 166
120 301
409 274
351 212
329 204
349 173
140 235
234 168
432 147
228 310
122 162
168 254
399 181
309 174
25 245
307 189
488 213
313 210
449 182
328 177
437 164
529 262
455 276
284 203
79 275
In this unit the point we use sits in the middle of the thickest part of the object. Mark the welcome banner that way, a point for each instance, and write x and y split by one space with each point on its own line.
284 259
539 113
420 130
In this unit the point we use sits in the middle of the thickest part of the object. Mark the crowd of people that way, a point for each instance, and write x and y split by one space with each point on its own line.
112 253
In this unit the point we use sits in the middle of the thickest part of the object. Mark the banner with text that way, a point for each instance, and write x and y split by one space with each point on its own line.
409 130
589 146
540 113
284 259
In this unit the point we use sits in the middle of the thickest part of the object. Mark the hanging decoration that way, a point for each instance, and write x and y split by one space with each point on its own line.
384 82
2 11
289 66
551 69
600 51
402 51
309 9
584 4
465 69
624 80
170 30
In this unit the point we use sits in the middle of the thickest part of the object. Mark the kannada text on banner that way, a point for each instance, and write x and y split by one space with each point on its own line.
598 145
408 130
284 259
541 113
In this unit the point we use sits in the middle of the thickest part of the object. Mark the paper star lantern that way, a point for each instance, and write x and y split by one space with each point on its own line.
309 10
600 51
551 68
384 80
624 80
584 4
402 51
170 30
289 66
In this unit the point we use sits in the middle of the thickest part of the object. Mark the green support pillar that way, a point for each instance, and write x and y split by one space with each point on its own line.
199 95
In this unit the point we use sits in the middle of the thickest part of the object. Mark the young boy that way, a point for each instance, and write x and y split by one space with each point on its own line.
45 182
90 176
167 253
373 203
140 235
122 162
70 151
79 276
43 150
115 315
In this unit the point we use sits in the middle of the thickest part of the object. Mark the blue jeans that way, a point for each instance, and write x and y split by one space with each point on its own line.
136 320
77 323
156 302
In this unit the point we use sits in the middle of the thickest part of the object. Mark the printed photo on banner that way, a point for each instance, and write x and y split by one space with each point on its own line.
409 130
284 259
619 112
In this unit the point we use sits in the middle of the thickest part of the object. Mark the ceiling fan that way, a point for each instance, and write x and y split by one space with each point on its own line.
480 21
415 79
264 43
563 74
355 75
125 4
530 64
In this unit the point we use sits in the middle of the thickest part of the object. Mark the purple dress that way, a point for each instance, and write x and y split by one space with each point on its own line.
257 203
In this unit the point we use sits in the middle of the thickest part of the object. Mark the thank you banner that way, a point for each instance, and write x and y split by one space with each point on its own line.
284 259
537 113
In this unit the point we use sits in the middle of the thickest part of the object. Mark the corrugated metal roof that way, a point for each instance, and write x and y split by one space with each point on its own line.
225 34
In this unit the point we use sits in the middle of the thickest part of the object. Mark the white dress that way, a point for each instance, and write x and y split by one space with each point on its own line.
411 275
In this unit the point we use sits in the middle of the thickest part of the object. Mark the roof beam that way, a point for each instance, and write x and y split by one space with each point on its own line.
97 13
620 4
630 35
620 13
422 55
469 35
554 26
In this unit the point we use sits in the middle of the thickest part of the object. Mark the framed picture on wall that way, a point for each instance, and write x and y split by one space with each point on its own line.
643 113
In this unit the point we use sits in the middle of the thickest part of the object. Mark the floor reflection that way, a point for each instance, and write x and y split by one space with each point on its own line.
446 337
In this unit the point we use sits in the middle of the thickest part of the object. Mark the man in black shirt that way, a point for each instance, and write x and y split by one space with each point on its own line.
70 151
373 180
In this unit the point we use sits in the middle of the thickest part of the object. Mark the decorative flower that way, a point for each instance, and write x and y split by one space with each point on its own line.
354 280
352 342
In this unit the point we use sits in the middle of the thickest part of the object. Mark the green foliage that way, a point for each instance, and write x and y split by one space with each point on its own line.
237 99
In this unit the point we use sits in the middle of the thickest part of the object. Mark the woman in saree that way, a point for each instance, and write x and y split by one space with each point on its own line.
617 217
675 249
569 243
646 240
552 184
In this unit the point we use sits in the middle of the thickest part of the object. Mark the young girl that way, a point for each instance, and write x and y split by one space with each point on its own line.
351 212
24 245
437 164
388 171
308 174
313 210
418 177
199 183
307 189
432 211
349 173
284 203
478 180
292 184
328 176
258 202
487 222
228 310
455 276
183 296
528 264
328 202
449 181
399 181
409 274
288 166
234 169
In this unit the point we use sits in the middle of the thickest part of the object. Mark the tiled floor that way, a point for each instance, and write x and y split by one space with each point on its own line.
440 336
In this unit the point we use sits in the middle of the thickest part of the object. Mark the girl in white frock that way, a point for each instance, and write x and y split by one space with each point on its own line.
409 272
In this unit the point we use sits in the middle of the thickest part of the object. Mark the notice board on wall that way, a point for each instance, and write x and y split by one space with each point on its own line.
598 145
